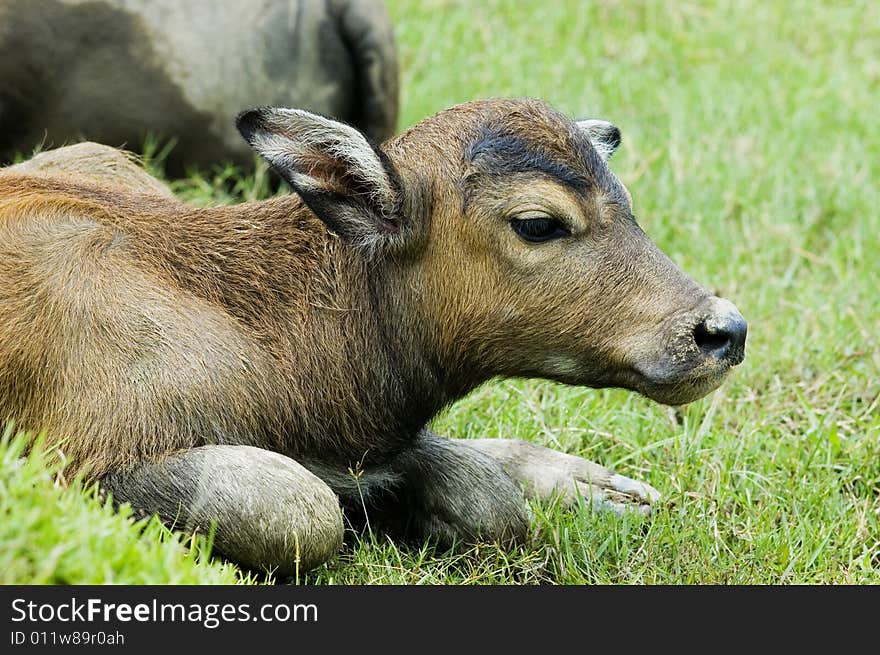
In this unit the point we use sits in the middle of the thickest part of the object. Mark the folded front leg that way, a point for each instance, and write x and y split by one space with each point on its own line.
548 474
453 493
270 512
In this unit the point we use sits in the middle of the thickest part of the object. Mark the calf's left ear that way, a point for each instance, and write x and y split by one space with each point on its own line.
604 136
345 181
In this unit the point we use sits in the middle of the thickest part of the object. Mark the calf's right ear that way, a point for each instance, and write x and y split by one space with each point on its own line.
604 136
345 181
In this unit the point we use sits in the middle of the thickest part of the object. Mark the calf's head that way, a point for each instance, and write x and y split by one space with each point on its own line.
513 246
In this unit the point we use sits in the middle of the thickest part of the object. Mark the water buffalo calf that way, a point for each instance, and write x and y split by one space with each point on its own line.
258 364
114 71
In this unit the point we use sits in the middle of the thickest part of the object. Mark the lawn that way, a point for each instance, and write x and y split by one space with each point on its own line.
750 148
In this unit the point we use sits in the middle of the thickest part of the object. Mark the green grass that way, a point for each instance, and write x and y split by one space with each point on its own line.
750 149
55 531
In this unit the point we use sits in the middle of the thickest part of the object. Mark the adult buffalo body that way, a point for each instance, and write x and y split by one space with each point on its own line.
256 364
115 71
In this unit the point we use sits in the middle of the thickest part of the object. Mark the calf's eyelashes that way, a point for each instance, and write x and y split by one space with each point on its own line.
539 228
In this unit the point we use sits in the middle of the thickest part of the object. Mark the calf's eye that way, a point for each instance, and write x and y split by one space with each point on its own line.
537 230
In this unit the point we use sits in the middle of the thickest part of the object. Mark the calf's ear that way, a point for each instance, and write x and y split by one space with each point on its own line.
345 181
604 136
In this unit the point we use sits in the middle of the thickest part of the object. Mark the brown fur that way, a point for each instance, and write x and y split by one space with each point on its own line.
135 325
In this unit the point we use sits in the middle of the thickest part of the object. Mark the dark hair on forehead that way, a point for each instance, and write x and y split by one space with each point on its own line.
498 152
567 156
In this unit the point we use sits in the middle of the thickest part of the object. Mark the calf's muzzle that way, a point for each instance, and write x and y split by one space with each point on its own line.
721 334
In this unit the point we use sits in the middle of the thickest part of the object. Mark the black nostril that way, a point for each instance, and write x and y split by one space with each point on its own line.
711 342
722 337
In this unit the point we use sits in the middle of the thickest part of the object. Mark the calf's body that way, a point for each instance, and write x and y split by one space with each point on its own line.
251 364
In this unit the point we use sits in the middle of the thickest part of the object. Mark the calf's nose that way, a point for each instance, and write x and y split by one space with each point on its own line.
722 334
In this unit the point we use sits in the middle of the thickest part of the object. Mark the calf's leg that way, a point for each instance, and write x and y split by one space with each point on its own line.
548 475
271 513
451 493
